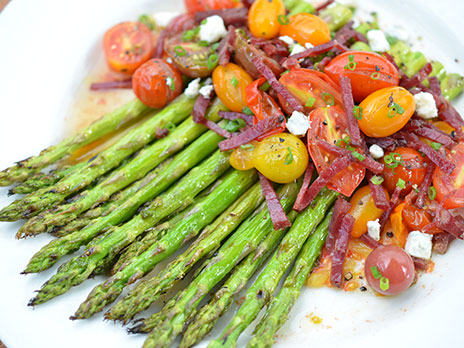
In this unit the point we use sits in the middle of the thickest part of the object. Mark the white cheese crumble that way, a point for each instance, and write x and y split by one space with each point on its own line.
298 123
308 45
373 229
399 32
163 18
425 105
170 82
419 244
205 91
213 29
208 81
377 40
193 88
287 39
297 48
169 60
376 151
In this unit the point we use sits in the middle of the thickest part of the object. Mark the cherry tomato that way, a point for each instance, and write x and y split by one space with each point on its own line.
229 83
416 219
389 270
450 188
281 158
398 233
127 46
330 124
304 27
444 127
206 5
368 72
386 111
312 88
264 18
242 158
156 83
405 164
363 210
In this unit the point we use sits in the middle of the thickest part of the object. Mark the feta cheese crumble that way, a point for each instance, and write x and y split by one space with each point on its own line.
298 123
193 88
212 29
170 82
419 244
169 60
163 18
425 105
376 151
297 48
377 40
287 39
205 91
308 45
373 229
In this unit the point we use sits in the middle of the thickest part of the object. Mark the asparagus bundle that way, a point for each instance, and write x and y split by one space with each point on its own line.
134 140
106 248
279 309
260 293
105 125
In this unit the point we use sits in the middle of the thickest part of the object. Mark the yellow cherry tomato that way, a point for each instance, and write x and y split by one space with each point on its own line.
229 84
281 158
386 111
304 27
242 158
363 210
265 16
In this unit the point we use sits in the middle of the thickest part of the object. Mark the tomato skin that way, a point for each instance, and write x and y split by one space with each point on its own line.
450 187
363 210
150 83
307 83
206 5
416 219
234 97
329 124
367 64
399 229
127 46
412 170
304 27
393 263
263 18
243 158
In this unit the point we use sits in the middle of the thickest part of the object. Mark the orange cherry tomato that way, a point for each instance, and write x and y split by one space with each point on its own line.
312 88
206 5
156 83
264 18
416 219
127 46
396 233
363 210
242 158
450 187
229 83
407 165
386 111
304 27
368 72
330 124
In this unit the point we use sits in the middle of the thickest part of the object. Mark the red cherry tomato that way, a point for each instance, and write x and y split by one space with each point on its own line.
329 124
156 83
368 72
416 219
450 188
127 46
206 5
389 270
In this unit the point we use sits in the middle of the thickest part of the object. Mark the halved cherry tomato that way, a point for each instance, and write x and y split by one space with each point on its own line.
304 27
386 111
206 5
263 18
156 83
405 164
368 72
363 210
399 231
389 270
330 124
416 219
127 46
262 105
242 158
312 88
229 83
450 187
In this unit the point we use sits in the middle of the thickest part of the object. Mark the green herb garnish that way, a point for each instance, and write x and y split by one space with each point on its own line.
289 157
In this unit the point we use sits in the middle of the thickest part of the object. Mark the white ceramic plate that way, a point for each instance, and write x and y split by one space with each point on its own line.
48 47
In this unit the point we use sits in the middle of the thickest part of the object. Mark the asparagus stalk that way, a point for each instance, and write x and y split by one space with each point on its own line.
109 245
260 293
279 309
168 323
182 162
134 140
210 313
105 125
148 290
203 213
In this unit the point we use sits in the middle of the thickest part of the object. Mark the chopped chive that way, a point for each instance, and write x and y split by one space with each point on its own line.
401 183
203 43
352 64
203 22
212 61
247 110
285 72
234 82
384 283
265 86
180 51
375 75
289 157
358 112
310 102
328 98
188 35
170 126
375 272
395 109
283 19
435 146
147 20
196 30
432 193
215 46
234 125
241 31
358 156
247 146
376 180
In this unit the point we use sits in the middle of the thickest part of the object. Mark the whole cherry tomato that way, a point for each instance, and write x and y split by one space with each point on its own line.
264 18
386 111
306 28
206 5
127 46
368 72
156 83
